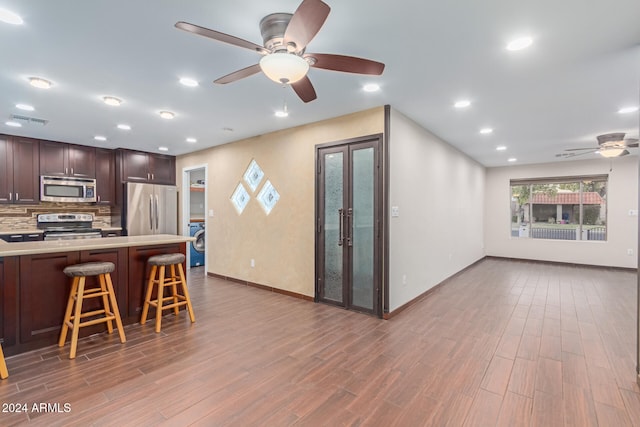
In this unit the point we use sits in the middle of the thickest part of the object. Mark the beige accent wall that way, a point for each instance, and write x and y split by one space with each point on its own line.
622 229
282 243
439 192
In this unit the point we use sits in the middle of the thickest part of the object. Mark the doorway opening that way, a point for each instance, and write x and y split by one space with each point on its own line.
194 214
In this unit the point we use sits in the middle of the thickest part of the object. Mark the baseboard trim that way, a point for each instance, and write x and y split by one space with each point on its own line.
566 264
261 286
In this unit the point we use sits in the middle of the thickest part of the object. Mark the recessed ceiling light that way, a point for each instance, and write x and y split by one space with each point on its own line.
10 17
520 43
501 148
40 83
163 148
112 100
13 124
192 140
186 81
100 138
486 131
371 87
122 126
167 115
25 107
464 103
627 110
512 159
282 113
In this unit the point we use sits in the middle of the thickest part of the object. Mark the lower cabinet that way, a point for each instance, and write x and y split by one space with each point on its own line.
42 289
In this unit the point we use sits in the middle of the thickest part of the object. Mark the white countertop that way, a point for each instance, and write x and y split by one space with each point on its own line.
41 247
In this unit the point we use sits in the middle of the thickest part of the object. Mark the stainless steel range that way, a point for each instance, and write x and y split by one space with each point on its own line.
68 226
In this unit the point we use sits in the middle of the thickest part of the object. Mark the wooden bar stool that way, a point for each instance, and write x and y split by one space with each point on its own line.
158 265
4 373
79 293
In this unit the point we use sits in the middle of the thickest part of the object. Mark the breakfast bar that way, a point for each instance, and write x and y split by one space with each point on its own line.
34 289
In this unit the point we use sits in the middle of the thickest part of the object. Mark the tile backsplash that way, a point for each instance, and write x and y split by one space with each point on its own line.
23 217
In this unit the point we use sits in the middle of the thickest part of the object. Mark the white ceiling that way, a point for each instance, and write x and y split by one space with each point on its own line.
560 93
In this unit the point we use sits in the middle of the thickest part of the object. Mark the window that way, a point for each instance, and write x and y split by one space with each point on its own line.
569 208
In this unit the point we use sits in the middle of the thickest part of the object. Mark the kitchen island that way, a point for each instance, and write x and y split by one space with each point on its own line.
34 290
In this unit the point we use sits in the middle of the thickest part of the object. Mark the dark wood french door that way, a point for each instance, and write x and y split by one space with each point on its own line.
348 232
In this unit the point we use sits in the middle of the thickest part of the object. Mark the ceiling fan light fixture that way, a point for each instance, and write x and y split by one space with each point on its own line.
611 152
520 43
284 68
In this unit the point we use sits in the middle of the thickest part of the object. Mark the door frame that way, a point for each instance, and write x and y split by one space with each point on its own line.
381 252
186 208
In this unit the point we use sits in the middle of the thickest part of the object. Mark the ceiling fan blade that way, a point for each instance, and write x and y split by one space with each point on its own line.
222 37
305 23
631 142
346 64
237 75
572 155
580 149
304 89
624 153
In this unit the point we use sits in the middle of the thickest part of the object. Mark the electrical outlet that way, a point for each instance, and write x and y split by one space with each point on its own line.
210 212
633 212
253 262
395 211
629 251
404 279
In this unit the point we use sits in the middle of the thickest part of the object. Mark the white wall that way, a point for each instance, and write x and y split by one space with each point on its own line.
622 228
440 194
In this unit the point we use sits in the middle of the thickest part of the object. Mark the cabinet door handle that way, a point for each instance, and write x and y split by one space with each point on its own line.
148 176
152 177
71 171
10 196
98 198
66 171
17 197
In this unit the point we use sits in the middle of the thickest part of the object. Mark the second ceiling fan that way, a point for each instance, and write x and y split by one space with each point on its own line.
285 38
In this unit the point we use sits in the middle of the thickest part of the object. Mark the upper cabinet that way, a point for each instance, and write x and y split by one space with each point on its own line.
138 166
60 159
105 176
19 165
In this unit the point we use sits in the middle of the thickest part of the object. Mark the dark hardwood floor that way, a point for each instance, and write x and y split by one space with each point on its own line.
504 343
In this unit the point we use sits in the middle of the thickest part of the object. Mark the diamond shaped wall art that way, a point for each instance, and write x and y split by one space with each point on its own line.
268 197
240 198
253 175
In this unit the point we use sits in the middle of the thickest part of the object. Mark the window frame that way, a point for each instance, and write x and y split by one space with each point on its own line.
578 179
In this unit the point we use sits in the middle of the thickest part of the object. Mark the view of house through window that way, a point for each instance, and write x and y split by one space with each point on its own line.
570 208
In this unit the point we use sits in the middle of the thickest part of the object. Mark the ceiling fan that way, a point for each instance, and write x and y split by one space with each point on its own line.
285 38
609 145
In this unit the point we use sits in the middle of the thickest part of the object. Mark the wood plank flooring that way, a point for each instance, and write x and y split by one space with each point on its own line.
504 343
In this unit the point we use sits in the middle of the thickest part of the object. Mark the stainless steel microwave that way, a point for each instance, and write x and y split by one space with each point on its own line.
67 189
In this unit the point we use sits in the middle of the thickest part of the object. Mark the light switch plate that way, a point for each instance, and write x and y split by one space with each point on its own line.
395 211
210 212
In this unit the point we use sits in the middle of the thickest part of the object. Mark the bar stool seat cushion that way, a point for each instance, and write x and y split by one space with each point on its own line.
166 259
89 269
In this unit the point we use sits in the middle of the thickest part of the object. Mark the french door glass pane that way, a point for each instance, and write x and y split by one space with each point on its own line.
333 201
363 228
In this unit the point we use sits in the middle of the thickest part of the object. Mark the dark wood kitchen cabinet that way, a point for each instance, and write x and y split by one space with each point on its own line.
19 170
138 166
105 176
8 299
44 290
61 159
